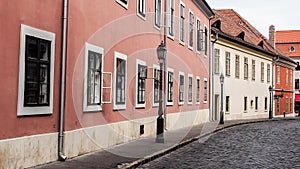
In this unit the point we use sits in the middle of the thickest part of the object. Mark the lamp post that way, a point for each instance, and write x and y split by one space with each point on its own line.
221 112
270 108
161 55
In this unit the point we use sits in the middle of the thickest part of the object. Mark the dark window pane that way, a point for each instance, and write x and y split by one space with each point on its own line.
37 72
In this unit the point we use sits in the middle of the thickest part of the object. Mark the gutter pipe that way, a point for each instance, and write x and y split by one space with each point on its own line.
61 155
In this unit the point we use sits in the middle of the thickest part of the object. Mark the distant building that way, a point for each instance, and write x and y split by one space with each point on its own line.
288 41
245 57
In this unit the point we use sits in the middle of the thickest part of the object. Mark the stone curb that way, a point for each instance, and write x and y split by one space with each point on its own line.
161 153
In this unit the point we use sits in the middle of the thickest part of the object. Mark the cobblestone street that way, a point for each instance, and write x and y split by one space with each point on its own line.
274 144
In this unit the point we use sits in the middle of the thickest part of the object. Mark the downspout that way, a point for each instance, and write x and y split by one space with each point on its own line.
212 103
274 60
61 154
211 81
165 67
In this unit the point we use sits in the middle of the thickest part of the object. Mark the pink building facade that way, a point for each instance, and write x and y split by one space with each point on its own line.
111 78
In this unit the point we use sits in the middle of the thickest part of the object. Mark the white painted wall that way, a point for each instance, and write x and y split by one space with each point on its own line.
238 88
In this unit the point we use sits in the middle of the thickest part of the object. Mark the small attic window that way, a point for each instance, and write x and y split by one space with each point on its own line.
261 44
241 35
292 49
217 24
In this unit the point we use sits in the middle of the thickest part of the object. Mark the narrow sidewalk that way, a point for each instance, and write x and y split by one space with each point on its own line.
140 151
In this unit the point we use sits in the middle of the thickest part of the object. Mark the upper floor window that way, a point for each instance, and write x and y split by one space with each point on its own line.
120 71
278 74
93 78
217 61
36 71
124 3
141 6
191 30
198 35
157 13
292 49
205 41
246 69
268 73
237 66
262 72
182 22
291 77
227 54
141 77
253 70
286 76
172 14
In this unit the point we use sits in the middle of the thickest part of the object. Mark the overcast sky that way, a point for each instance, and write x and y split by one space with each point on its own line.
283 14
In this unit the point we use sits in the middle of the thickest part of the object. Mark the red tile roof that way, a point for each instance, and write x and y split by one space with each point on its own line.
287 36
232 24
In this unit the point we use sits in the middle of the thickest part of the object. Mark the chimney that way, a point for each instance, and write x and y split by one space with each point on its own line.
272 35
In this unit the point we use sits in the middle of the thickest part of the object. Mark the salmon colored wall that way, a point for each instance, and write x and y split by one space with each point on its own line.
45 15
283 85
125 32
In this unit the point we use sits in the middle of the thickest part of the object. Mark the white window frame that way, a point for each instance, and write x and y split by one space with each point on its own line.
138 105
237 66
253 72
262 71
160 14
97 49
123 57
42 34
122 3
197 80
216 61
182 41
227 63
191 36
190 76
138 5
158 68
170 103
171 18
198 35
205 91
181 74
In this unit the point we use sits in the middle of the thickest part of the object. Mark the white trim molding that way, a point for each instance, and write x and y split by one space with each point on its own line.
42 34
96 49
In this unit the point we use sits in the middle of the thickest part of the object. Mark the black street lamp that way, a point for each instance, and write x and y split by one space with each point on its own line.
271 107
221 112
161 55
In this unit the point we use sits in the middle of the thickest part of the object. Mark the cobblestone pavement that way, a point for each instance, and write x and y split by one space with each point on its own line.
273 144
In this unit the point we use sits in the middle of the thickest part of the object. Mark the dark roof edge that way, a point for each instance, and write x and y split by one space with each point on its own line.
204 7
237 40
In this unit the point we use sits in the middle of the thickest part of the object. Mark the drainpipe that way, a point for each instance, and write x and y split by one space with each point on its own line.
212 103
165 67
61 154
